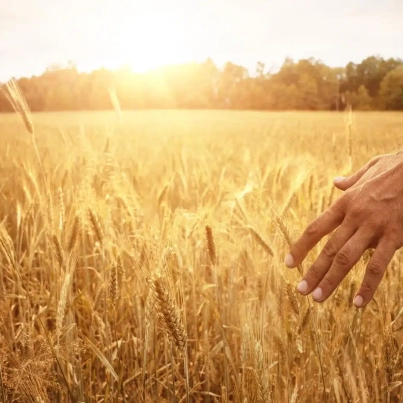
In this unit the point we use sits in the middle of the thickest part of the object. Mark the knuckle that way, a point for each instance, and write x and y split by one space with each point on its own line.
392 236
339 203
314 273
329 250
339 206
312 228
392 230
354 213
343 258
374 269
335 210
366 286
371 225
354 178
374 160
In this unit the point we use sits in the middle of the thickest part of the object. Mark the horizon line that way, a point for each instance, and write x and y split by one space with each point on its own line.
272 68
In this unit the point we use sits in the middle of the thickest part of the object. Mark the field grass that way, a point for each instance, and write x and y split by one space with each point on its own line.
114 290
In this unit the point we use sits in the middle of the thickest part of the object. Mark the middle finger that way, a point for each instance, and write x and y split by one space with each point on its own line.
322 264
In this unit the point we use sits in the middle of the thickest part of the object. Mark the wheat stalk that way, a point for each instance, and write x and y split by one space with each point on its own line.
350 137
58 249
113 285
62 218
96 226
292 298
19 104
211 245
61 307
259 239
261 376
71 242
168 312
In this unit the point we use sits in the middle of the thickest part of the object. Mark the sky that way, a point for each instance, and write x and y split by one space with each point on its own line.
148 34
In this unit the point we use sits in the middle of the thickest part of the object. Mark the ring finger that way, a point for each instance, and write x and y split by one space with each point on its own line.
342 263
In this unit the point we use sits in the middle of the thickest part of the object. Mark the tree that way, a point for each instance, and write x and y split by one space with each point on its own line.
391 92
308 97
363 99
359 100
307 84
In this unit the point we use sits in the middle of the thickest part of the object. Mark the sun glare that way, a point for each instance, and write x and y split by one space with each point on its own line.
151 42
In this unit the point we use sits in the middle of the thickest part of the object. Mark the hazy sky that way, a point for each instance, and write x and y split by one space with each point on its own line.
150 33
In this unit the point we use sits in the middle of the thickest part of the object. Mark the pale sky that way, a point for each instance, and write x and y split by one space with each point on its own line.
149 33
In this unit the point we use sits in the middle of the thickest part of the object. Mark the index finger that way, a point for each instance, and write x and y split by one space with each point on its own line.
328 221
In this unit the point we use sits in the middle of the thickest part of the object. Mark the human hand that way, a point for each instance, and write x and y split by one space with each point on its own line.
368 215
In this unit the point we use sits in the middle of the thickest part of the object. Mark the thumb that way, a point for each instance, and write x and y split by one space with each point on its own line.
343 183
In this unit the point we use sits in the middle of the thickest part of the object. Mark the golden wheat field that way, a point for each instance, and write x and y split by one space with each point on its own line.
142 260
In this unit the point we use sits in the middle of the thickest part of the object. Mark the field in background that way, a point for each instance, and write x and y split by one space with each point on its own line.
106 249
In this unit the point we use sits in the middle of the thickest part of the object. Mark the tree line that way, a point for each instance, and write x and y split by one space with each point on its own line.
308 84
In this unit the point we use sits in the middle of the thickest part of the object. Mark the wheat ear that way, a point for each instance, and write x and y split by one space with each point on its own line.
168 312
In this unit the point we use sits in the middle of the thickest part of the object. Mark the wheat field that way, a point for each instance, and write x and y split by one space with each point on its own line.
142 260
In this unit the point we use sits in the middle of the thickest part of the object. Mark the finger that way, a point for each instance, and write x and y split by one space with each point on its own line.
325 259
374 273
343 183
328 221
342 263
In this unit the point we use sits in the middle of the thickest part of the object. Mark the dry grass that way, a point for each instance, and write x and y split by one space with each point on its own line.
144 263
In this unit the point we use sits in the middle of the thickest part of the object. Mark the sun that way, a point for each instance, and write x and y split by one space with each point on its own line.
151 42
153 35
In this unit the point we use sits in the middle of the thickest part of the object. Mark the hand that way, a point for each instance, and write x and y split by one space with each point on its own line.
368 215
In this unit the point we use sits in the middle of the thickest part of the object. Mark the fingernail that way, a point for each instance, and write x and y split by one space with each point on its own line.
358 301
338 179
317 294
289 261
302 287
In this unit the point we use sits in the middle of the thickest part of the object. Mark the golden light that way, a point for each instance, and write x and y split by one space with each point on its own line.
150 41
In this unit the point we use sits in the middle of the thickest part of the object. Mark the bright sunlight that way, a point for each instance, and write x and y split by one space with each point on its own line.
148 35
151 40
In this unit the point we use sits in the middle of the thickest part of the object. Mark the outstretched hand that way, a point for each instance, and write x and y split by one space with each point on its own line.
369 214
